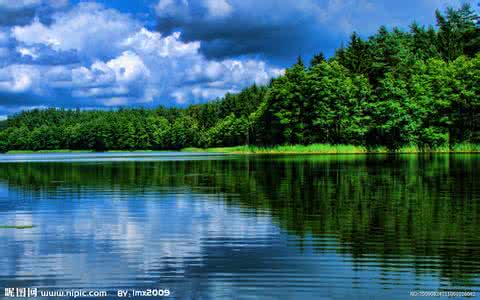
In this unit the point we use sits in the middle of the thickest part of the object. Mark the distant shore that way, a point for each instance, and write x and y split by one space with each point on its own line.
66 151
335 149
287 149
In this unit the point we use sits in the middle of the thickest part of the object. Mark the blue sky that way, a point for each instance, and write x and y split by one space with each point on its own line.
111 53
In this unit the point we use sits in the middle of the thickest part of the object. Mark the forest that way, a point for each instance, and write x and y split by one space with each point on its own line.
419 87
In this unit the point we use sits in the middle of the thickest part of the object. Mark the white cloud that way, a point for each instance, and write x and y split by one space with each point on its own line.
115 101
152 43
98 75
129 67
184 9
171 7
89 28
218 8
218 78
27 52
18 78
234 71
102 57
119 81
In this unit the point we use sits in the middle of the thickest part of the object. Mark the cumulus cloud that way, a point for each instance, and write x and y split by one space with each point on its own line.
218 8
171 8
93 56
89 28
129 67
18 78
125 77
152 43
210 79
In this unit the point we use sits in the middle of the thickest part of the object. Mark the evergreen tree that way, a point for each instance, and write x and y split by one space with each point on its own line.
288 104
458 32
317 59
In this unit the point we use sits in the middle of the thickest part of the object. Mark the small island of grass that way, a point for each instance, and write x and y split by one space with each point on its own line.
18 227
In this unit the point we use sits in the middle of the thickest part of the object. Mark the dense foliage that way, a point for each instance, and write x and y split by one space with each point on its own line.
396 88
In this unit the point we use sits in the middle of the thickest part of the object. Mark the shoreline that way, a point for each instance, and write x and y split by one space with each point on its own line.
325 149
315 149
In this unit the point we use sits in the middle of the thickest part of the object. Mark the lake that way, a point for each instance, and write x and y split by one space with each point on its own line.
215 226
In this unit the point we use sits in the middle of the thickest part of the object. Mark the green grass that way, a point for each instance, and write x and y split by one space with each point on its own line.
458 148
466 148
236 149
287 149
295 149
334 149
17 227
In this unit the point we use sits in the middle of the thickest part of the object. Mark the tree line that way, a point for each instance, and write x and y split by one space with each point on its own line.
395 88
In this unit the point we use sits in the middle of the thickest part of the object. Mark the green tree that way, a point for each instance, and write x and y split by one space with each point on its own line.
289 106
338 102
317 59
458 32
392 115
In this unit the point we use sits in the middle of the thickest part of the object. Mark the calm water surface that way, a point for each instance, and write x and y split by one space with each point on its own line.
214 226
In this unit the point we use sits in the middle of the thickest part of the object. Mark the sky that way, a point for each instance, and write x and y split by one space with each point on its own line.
106 54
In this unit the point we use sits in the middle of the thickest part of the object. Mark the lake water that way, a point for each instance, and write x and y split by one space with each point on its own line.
221 227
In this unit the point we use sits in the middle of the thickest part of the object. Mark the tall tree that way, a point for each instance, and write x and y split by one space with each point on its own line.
288 104
458 32
317 59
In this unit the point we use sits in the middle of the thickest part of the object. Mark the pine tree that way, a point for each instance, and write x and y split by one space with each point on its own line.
317 59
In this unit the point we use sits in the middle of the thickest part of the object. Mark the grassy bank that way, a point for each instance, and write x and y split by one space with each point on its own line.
292 149
17 227
335 149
